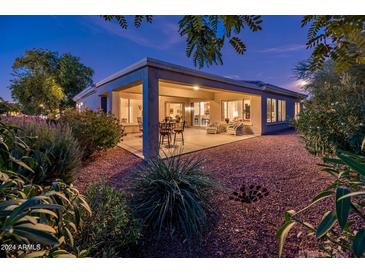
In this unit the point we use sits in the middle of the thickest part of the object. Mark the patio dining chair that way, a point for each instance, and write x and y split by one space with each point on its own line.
179 130
166 131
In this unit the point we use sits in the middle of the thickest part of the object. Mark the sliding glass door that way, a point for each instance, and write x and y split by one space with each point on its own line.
175 110
201 114
130 110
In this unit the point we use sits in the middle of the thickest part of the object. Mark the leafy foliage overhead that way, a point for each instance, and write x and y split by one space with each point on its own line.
205 35
338 37
122 20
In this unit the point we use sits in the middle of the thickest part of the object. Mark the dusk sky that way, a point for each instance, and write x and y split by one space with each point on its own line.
271 53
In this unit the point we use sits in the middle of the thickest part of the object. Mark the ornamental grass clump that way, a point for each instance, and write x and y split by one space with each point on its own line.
172 195
53 147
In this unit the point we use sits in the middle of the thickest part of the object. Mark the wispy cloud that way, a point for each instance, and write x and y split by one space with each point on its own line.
169 33
283 49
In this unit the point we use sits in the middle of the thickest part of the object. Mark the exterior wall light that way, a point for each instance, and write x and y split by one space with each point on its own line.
196 87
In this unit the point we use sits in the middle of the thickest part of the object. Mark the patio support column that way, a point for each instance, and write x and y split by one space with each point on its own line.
263 114
150 113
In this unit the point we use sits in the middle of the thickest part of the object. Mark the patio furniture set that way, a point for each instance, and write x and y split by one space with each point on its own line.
234 127
170 127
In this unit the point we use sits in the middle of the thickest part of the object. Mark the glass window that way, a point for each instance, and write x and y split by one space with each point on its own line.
271 110
201 113
130 110
281 110
124 106
174 110
268 110
247 109
135 110
297 110
233 109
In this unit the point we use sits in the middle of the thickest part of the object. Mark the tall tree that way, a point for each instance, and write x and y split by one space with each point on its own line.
44 82
73 77
34 85
205 35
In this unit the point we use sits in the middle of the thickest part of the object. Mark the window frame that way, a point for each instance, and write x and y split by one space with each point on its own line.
281 110
224 114
273 114
129 110
297 110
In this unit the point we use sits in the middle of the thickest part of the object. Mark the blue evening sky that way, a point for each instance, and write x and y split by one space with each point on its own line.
271 53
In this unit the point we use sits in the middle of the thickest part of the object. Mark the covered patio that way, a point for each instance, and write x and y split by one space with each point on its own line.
197 107
195 139
142 95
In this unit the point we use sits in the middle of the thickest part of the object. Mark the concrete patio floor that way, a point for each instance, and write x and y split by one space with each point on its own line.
195 139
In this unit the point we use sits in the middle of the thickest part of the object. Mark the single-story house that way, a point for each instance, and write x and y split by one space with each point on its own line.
148 91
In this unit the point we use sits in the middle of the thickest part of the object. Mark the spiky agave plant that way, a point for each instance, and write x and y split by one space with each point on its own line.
172 194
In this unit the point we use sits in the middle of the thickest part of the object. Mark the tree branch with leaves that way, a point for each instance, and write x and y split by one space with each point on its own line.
205 34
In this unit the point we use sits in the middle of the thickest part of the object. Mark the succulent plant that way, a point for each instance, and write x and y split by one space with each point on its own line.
250 194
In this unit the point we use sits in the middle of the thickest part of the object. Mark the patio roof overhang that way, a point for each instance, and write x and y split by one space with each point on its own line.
183 74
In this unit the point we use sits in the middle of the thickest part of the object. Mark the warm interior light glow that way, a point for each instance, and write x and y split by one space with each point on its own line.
195 87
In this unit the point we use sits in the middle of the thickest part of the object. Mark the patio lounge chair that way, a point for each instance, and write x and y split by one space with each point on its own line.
235 128
216 127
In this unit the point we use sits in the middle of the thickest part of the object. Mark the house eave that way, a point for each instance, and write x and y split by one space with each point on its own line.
151 62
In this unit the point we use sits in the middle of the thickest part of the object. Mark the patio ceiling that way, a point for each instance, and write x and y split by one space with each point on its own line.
174 89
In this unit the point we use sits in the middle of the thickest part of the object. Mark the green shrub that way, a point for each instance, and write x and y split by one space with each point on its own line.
341 230
47 217
172 194
56 151
112 231
334 116
94 131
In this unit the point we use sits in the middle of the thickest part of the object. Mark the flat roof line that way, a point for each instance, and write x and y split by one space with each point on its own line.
148 61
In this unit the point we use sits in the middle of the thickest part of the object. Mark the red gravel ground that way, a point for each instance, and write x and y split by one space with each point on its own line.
277 162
